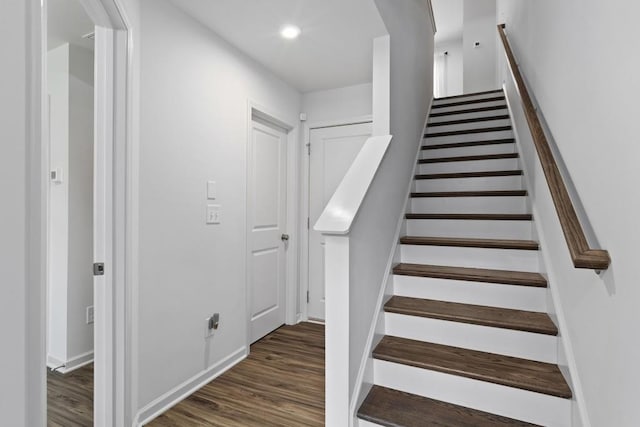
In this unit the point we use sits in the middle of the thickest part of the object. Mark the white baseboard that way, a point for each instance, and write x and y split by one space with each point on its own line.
182 391
53 362
70 365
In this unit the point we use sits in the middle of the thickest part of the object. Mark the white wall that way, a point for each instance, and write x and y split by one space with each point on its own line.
381 86
194 93
585 81
13 220
70 86
335 104
480 62
80 182
58 88
372 235
454 66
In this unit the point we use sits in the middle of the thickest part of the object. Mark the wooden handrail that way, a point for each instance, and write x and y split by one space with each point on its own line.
582 254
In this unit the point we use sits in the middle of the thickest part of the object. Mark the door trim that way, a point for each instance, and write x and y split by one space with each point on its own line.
114 138
304 203
275 118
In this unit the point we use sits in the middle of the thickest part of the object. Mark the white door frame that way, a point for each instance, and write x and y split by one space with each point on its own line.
305 226
114 396
291 224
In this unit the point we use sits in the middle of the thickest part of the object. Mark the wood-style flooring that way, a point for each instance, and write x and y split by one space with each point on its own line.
281 384
70 398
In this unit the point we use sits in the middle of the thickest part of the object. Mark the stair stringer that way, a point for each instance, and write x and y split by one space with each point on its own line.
566 358
364 379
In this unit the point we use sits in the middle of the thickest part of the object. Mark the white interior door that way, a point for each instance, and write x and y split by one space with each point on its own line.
333 150
267 224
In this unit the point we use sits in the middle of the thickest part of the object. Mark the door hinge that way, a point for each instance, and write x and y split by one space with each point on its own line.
308 226
309 149
307 297
98 269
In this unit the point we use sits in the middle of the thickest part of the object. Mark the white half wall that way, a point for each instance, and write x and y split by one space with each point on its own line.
479 62
195 91
372 234
336 104
585 79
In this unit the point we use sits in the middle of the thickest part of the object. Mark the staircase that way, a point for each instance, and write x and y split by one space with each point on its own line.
467 338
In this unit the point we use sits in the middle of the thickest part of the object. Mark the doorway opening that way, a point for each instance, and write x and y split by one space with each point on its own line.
70 300
84 127
332 148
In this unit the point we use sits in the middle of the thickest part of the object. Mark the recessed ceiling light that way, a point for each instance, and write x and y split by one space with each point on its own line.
290 32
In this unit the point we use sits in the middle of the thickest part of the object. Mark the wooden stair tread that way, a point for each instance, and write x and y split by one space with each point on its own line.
470 120
468 131
469 101
528 245
470 158
519 320
465 95
491 193
485 174
393 408
468 144
480 217
469 110
483 275
509 371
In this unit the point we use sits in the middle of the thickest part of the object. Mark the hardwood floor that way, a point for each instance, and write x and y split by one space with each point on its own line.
70 398
281 384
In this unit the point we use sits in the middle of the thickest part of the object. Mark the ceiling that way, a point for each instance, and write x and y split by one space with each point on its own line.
449 19
334 49
67 22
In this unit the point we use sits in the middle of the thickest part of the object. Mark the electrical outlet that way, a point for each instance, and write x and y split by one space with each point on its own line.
213 214
90 316
211 324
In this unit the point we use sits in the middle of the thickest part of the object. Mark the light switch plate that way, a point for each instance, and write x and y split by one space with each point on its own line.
213 214
211 190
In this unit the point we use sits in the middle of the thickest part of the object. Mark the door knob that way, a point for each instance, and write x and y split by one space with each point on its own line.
284 237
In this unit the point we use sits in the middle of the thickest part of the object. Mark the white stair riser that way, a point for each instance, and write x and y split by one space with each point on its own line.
466 137
525 345
466 126
470 97
462 116
470 228
511 182
468 106
501 259
516 297
510 402
469 166
363 423
510 205
467 151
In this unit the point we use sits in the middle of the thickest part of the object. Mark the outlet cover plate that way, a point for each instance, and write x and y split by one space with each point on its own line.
90 315
213 214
